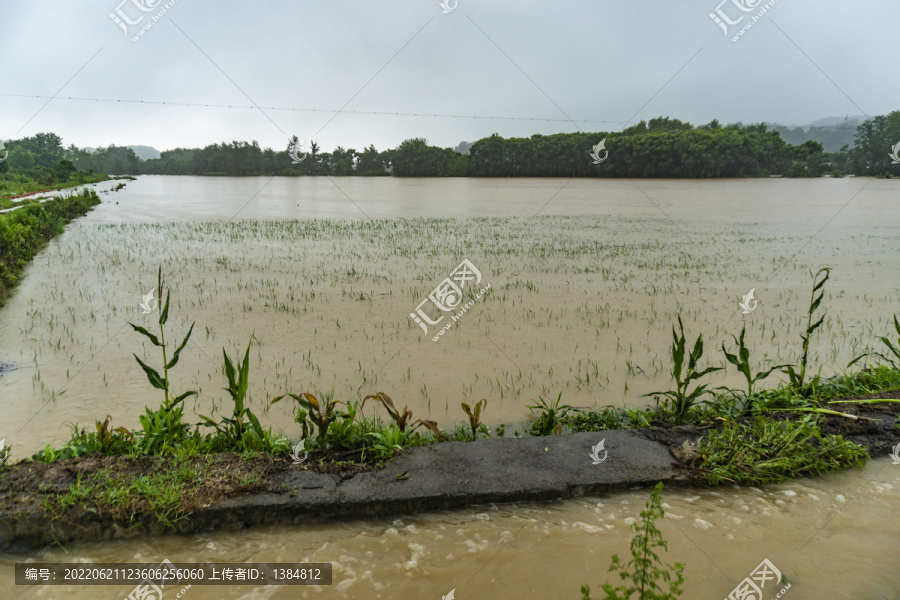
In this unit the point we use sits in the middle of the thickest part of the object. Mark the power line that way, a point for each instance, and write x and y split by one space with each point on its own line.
381 113
321 110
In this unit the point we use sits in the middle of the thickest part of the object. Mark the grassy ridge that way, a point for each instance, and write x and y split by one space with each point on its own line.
25 231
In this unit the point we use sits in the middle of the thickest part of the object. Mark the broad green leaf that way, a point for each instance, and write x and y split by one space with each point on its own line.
155 380
174 360
183 396
164 313
143 331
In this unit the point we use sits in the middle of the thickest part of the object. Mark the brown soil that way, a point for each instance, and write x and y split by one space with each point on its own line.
26 486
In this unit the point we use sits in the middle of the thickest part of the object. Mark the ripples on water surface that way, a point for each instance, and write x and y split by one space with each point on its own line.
582 290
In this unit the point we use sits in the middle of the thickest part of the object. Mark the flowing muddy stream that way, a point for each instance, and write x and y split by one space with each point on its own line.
835 537
587 277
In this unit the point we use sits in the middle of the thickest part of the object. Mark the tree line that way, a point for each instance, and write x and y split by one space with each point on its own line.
661 147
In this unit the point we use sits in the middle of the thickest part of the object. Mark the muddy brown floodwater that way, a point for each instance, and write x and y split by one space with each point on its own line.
586 277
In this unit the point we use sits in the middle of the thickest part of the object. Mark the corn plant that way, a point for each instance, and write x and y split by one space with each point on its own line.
552 417
402 419
895 350
163 427
233 429
679 399
798 380
322 412
741 360
109 438
162 383
475 417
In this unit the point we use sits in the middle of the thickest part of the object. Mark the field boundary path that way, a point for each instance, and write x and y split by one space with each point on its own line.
425 478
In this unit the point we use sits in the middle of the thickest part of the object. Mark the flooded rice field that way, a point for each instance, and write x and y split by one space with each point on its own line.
586 278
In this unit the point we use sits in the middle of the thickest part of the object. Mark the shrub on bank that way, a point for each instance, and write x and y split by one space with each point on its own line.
25 231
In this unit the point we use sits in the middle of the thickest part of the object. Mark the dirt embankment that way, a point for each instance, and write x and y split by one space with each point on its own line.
227 492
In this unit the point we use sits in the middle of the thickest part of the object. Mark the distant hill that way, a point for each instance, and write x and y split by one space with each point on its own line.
832 132
142 152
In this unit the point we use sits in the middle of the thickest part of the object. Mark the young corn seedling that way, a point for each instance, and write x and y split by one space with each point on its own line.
402 419
322 412
798 380
552 417
741 360
679 399
475 417
895 350
234 428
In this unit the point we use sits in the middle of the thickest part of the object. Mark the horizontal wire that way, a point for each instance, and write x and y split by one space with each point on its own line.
360 112
356 112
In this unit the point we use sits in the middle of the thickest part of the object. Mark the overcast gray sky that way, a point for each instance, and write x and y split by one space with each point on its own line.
604 61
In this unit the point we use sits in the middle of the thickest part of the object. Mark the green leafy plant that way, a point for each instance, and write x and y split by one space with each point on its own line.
741 360
894 350
763 452
387 443
110 440
236 433
798 380
645 570
680 401
552 417
322 413
402 419
475 417
163 428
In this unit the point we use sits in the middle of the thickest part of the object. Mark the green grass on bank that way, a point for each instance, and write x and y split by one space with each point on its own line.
25 231
15 184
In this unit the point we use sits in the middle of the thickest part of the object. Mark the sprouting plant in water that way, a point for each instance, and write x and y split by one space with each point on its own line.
645 570
895 350
552 417
741 360
163 427
233 429
475 417
679 399
798 380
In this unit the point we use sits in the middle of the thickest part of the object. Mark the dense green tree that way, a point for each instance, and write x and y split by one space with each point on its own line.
875 139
